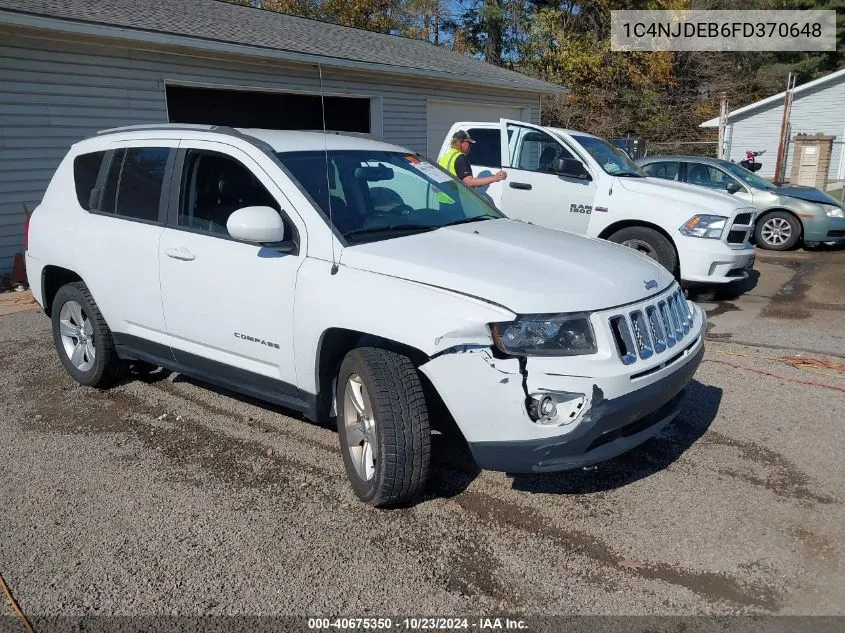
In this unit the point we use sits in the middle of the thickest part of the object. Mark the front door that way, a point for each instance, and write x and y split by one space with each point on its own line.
533 191
228 305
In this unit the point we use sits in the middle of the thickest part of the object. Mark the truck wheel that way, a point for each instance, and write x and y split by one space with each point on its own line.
777 231
382 424
649 242
82 338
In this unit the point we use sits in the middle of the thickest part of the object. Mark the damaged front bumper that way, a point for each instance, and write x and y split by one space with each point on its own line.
490 398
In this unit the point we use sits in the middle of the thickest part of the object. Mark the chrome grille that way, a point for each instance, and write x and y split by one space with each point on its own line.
657 335
651 329
641 337
667 323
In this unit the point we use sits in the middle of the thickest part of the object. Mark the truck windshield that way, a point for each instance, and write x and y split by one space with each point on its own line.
376 195
746 176
612 159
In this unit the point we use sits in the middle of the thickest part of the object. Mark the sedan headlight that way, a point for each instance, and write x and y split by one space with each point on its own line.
546 335
704 226
832 211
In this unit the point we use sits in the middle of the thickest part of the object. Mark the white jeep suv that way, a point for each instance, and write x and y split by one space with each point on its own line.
344 277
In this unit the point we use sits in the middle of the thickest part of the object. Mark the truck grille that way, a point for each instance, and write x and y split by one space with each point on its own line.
653 329
740 229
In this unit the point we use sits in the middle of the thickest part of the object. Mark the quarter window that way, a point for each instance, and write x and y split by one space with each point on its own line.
86 168
215 185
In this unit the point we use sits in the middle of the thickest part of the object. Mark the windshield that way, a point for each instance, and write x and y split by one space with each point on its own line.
612 159
746 176
376 195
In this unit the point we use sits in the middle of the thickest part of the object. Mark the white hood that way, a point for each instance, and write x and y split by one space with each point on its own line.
526 268
705 201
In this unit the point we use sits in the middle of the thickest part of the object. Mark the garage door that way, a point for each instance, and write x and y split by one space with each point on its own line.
441 115
273 110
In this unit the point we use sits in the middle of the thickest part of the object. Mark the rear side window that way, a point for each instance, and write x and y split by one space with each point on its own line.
134 183
86 168
487 149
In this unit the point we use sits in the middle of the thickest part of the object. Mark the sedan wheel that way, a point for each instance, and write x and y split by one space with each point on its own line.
776 231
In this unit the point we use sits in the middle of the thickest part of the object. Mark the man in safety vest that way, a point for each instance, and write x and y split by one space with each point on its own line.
456 162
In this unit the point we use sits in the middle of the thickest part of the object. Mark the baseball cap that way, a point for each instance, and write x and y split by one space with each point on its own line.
460 135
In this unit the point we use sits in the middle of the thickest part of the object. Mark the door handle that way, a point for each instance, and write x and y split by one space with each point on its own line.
520 185
180 253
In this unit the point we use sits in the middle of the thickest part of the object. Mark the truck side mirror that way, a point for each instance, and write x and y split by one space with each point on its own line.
733 187
572 168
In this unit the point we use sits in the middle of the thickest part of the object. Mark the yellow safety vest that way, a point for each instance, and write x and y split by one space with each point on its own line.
447 161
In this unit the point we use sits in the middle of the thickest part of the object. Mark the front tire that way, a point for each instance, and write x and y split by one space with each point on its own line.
777 231
383 427
651 243
82 338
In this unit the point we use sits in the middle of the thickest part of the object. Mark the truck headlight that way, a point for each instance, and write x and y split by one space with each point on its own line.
832 211
704 226
546 335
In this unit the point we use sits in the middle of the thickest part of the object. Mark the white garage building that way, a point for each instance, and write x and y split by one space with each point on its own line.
71 67
817 108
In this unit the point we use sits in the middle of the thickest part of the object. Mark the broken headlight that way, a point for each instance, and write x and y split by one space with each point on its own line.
546 335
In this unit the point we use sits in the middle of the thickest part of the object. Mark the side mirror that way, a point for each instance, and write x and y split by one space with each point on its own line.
733 187
260 225
571 167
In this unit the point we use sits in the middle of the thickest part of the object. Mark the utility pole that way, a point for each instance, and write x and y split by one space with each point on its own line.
783 141
723 122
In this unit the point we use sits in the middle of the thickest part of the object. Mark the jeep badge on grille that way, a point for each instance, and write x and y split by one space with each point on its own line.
649 284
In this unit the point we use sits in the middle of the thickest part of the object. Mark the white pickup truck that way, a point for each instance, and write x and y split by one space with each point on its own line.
577 182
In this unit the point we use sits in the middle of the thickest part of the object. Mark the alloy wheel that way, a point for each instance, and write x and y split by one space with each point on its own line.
776 231
360 426
77 336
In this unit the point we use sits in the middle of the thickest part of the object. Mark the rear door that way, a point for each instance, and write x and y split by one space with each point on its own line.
117 243
533 191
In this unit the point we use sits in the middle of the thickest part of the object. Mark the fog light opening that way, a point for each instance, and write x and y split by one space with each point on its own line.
558 408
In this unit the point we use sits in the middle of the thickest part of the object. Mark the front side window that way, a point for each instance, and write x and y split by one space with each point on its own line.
667 170
707 176
537 151
748 177
215 185
611 159
134 183
380 195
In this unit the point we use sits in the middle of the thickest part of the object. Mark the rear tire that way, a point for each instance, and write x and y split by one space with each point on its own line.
82 338
777 231
651 243
383 427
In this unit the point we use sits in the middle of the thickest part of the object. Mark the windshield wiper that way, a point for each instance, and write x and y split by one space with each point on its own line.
391 228
476 218
629 174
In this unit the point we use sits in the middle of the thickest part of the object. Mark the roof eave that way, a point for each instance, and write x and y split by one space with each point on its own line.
154 38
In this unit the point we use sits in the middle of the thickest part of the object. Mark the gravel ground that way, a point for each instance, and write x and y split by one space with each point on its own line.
164 497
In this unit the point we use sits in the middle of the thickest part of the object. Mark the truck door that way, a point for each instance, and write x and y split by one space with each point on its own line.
533 191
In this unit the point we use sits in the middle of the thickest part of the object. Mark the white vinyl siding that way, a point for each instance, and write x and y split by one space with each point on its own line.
817 110
54 93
